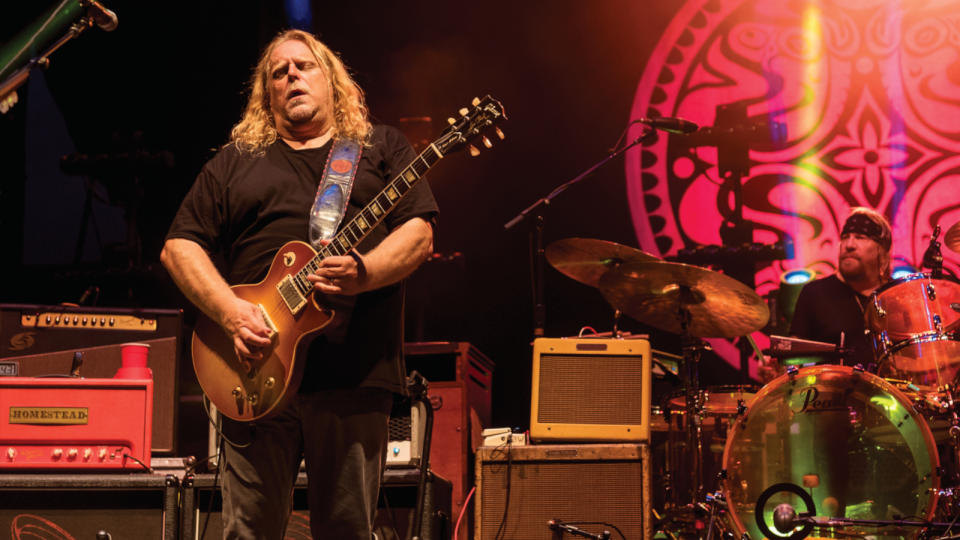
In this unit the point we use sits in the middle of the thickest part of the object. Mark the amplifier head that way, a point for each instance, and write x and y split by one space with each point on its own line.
590 390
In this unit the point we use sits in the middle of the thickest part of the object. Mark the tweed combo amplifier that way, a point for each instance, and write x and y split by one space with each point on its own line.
590 389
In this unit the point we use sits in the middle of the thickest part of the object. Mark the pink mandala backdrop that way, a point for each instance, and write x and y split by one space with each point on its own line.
869 93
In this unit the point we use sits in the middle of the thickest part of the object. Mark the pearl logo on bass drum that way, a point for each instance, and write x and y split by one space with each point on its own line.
811 400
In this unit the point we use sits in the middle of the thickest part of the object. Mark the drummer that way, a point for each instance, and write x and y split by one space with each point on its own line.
834 306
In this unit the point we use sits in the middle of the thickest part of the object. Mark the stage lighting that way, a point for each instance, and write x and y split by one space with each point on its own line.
903 270
791 282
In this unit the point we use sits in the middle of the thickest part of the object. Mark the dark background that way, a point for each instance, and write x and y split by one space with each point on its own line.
172 79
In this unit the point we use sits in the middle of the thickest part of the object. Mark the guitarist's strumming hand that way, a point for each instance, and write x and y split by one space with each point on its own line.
244 324
343 274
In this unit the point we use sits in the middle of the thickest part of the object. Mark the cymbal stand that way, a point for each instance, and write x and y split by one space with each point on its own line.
690 378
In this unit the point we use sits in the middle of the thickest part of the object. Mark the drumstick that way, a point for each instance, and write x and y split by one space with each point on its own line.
756 349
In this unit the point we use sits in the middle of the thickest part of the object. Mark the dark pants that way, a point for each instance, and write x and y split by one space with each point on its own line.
341 434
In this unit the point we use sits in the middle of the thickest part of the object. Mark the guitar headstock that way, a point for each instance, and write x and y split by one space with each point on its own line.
474 123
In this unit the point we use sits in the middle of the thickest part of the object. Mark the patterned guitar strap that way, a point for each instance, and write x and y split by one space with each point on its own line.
333 193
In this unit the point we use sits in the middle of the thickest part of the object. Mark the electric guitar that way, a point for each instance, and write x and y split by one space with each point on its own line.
249 389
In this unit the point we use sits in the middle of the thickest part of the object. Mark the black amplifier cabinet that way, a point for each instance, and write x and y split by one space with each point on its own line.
142 506
395 509
37 341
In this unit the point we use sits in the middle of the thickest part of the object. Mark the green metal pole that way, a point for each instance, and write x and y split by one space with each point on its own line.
33 39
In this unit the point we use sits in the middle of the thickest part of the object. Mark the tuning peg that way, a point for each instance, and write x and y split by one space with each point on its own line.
474 151
500 133
475 102
451 121
487 143
464 111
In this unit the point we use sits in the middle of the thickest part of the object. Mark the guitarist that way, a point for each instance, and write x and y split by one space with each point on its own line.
252 197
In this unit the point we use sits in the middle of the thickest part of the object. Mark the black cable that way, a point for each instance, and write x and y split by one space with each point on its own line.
142 464
204 402
506 499
213 490
604 523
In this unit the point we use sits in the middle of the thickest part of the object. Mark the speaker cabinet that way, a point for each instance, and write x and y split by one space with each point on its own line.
143 506
521 488
202 507
398 505
38 341
590 390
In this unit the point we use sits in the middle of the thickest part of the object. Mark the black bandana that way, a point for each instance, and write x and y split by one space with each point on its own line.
861 224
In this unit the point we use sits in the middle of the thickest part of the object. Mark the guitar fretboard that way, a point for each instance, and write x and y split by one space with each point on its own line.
370 216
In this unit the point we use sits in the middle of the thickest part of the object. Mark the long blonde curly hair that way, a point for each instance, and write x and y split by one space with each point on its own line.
257 130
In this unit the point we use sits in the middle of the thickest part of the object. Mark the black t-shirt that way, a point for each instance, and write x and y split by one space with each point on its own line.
825 308
244 208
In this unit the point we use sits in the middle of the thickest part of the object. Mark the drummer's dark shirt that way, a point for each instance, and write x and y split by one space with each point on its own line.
825 308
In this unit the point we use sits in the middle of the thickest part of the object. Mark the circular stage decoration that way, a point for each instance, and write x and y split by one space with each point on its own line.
867 95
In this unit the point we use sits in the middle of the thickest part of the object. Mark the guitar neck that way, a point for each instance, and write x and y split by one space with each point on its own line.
374 213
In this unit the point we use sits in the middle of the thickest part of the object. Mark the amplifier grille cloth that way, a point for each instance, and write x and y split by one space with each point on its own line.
608 491
578 389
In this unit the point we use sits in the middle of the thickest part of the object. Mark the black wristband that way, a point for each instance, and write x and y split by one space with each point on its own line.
361 268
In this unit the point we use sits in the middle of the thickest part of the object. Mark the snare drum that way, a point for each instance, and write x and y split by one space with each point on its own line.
847 437
913 322
721 401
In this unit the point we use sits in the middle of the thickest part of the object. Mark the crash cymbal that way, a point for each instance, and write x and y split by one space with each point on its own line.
586 259
952 238
652 292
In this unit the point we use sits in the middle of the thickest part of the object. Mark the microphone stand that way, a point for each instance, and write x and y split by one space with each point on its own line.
933 258
538 209
11 83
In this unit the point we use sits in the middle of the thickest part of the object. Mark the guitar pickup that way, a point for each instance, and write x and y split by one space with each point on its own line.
291 296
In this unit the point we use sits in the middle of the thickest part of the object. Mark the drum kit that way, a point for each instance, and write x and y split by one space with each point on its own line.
827 449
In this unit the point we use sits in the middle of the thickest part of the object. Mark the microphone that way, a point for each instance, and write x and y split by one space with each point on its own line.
103 17
678 126
933 258
784 518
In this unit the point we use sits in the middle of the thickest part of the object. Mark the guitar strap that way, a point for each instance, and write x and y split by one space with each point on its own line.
333 193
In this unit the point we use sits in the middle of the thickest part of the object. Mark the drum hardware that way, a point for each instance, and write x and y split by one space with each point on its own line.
753 252
912 324
687 300
790 347
800 525
695 303
933 258
852 439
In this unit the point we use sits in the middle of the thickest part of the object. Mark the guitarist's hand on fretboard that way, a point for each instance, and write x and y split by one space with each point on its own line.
341 274
244 323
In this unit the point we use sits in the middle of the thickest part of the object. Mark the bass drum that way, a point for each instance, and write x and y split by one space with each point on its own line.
847 437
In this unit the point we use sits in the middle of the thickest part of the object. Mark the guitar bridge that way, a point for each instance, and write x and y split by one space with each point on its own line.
267 320
291 295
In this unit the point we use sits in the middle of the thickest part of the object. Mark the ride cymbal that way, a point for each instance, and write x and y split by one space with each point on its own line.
587 259
653 292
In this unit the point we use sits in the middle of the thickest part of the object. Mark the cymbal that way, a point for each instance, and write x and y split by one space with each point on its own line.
586 259
952 238
652 292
